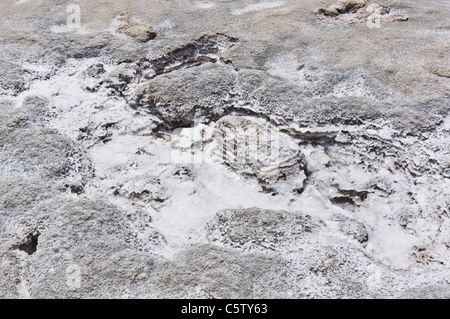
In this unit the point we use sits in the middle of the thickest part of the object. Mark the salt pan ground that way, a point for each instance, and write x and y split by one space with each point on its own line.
131 158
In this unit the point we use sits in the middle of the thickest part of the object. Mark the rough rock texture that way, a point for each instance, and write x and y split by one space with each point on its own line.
253 228
140 32
357 11
13 78
252 149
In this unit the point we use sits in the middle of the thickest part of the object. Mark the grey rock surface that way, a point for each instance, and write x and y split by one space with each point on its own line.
111 130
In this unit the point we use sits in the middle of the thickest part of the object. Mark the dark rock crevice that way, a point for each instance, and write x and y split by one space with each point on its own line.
200 51
30 243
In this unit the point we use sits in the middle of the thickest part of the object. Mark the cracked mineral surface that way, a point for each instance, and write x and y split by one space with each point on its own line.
225 149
